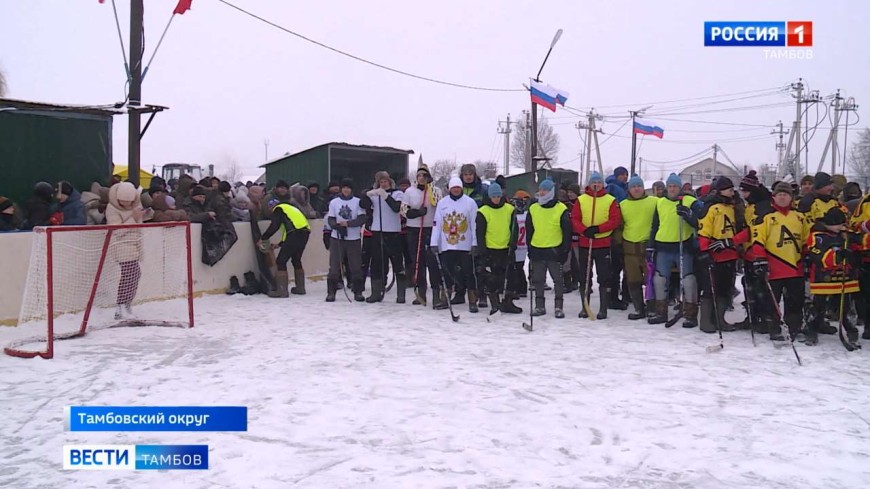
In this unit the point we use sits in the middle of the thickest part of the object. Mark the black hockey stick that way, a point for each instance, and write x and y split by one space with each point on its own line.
454 317
779 321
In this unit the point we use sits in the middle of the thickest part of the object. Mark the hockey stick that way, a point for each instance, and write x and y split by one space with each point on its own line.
454 317
588 288
531 324
747 293
848 345
511 250
779 320
420 299
679 314
340 266
714 348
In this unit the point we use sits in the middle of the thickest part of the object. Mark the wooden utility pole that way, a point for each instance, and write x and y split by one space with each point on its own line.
506 130
135 95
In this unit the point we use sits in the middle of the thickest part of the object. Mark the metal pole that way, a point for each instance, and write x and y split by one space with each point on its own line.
633 142
135 102
534 130
799 86
715 155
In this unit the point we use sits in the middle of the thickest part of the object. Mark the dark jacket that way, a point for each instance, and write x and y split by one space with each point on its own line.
476 190
37 211
616 188
73 210
196 212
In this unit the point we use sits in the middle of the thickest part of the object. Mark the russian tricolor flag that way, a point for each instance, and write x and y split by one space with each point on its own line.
648 129
547 96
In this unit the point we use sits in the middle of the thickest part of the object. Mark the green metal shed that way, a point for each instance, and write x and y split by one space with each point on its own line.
335 161
48 142
526 181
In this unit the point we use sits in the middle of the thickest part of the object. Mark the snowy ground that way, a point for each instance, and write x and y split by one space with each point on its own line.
352 395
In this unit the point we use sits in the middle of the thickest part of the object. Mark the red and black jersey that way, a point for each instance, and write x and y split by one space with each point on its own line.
828 274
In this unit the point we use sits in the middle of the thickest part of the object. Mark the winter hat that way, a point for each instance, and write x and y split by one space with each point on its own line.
595 177
852 190
548 185
575 188
224 187
635 181
347 182
782 187
126 192
405 180
43 189
522 194
312 183
282 183
495 190
454 182
501 180
382 175
724 183
620 170
822 180
674 179
749 182
834 217
5 203
839 181
333 183
807 179
154 190
468 168
64 188
658 184
200 190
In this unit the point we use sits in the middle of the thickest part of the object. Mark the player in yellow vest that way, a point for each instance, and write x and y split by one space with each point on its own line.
594 217
674 222
548 229
637 216
496 239
295 231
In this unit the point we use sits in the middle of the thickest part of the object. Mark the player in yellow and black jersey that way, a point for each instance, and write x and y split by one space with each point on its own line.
778 238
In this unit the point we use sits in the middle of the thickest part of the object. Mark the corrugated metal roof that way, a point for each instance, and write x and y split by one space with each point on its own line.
103 110
339 145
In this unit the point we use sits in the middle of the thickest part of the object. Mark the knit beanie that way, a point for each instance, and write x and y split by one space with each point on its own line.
749 182
822 180
595 177
834 217
635 181
620 170
454 182
548 185
782 187
674 179
495 190
724 183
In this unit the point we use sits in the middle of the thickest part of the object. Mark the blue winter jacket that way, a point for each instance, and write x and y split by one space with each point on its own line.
619 190
73 210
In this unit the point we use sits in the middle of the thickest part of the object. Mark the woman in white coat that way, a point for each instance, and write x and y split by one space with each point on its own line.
126 245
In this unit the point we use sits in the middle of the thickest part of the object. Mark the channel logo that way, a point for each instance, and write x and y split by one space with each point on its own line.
135 457
795 34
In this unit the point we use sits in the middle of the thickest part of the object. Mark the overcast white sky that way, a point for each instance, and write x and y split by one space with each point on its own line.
233 82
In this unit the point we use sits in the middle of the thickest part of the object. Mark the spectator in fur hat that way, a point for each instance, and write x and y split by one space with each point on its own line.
806 185
195 205
472 185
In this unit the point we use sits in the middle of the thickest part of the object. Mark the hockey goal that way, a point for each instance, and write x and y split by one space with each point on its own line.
85 278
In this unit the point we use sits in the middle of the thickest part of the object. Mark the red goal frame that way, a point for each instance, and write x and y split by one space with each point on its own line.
82 330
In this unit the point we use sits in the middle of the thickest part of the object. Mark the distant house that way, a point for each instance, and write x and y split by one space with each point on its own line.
701 173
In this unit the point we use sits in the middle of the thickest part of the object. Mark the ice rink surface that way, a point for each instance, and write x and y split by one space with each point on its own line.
397 396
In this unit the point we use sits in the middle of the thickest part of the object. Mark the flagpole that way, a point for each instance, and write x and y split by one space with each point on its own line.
158 46
534 163
633 143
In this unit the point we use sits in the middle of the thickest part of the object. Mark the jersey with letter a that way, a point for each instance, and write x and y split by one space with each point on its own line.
780 235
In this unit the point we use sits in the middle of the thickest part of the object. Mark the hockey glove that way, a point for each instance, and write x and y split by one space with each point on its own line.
591 231
760 267
722 244
683 211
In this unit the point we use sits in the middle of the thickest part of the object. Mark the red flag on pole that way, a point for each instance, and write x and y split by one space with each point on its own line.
182 7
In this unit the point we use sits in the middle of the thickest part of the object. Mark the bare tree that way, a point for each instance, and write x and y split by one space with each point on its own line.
2 84
548 144
859 155
486 169
443 168
232 171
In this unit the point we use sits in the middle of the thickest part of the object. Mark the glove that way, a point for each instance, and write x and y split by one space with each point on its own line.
434 250
651 255
590 232
760 267
264 246
683 211
377 192
721 244
423 210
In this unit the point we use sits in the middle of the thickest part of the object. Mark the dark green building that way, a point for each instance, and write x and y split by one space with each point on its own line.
47 142
526 181
335 161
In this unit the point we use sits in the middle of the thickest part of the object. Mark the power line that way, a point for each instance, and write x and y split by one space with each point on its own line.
372 63
715 122
726 109
662 102
696 155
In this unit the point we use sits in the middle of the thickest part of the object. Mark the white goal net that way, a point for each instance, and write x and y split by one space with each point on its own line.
83 278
